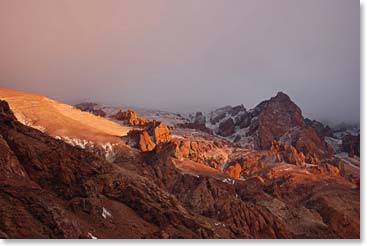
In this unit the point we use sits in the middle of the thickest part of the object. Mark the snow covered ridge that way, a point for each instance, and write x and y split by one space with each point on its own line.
107 148
169 118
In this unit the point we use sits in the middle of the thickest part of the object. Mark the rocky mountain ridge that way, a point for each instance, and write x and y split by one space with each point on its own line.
185 182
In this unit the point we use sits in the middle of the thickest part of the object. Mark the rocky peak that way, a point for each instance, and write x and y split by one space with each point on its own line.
281 96
277 116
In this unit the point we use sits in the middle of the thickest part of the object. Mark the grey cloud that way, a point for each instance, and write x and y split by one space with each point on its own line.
186 55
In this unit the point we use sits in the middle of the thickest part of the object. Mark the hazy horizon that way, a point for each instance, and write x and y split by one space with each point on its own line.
187 56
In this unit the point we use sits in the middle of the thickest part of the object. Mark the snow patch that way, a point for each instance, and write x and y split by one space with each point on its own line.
81 143
106 213
219 224
91 236
177 136
107 148
229 181
335 143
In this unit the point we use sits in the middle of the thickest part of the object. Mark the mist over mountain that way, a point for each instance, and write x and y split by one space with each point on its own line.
186 55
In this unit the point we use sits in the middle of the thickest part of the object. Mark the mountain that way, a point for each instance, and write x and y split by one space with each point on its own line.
173 181
61 120
276 119
50 189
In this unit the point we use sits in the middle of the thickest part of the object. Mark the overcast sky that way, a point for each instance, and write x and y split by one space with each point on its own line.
185 55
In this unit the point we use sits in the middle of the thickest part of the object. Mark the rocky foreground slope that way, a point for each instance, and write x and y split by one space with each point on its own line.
179 182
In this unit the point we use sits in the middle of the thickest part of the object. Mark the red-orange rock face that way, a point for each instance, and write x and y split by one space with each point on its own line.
148 133
161 132
130 117
141 140
325 169
145 143
234 171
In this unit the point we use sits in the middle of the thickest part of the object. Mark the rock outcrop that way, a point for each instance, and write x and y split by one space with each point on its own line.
197 122
234 171
91 108
287 154
130 118
141 140
351 145
226 128
159 131
148 135
321 130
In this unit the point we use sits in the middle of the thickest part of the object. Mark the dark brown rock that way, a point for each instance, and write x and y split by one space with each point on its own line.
278 115
321 130
351 145
226 128
91 108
